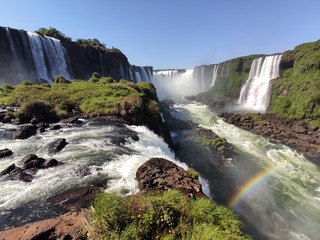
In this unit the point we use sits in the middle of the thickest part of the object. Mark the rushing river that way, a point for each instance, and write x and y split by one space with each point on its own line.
276 190
90 158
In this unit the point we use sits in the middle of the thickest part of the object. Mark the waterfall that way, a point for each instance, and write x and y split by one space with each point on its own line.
255 93
144 75
214 75
31 56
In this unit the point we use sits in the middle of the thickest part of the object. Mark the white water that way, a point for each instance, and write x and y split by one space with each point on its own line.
214 75
89 157
255 93
175 83
56 60
286 206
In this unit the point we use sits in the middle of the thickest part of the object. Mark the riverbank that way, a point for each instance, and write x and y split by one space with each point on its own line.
296 134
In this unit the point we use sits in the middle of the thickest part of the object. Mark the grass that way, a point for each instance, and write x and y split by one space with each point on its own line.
167 215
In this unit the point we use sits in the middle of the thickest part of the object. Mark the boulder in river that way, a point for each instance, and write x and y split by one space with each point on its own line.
5 153
161 174
57 145
25 132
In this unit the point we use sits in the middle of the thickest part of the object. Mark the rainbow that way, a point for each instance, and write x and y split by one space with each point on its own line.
251 184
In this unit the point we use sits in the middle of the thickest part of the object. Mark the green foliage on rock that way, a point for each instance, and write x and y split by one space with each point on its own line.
168 215
52 32
37 111
61 79
296 94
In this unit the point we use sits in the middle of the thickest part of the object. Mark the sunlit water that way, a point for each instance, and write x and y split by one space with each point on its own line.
283 205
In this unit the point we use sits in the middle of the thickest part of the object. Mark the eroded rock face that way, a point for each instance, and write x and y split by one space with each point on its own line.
68 226
296 134
161 174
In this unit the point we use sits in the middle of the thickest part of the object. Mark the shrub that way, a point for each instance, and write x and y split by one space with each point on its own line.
38 111
61 79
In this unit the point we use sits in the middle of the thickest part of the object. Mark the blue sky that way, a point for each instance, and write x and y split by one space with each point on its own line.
174 33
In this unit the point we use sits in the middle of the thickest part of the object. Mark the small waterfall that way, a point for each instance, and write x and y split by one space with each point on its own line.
255 93
144 75
214 75
122 75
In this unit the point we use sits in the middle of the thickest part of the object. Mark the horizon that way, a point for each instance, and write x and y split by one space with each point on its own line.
173 35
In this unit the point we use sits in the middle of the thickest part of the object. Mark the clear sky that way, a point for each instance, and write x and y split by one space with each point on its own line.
174 33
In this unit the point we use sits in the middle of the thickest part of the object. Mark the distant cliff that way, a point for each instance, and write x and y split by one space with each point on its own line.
40 57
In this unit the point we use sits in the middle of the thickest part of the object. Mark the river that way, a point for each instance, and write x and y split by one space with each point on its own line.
272 188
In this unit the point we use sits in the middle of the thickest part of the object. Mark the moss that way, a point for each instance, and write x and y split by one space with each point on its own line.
296 94
168 215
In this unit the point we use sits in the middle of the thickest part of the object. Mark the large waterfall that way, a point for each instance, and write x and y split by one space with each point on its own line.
171 83
255 93
28 55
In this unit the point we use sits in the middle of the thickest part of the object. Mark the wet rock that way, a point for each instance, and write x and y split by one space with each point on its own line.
37 163
25 132
8 169
75 199
57 145
5 153
161 174
68 226
52 163
55 127
19 174
135 137
29 158
118 141
7 119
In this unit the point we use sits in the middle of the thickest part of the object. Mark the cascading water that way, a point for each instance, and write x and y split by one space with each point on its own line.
49 57
255 93
214 75
274 189
89 157
31 56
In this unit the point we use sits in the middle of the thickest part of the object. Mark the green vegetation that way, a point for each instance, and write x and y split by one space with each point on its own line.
92 43
217 142
52 32
104 97
296 94
232 75
168 215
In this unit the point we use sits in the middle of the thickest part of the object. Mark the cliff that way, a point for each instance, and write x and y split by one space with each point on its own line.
40 57
296 94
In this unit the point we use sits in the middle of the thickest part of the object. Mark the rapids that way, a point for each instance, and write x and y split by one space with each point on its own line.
90 158
282 197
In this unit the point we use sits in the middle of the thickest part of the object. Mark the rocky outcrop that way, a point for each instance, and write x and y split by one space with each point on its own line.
161 174
70 226
293 133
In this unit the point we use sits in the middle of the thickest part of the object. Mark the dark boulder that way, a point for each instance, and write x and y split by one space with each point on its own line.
29 158
8 169
57 145
161 174
7 119
52 163
5 153
25 132
35 163
20 174
118 141
55 127
72 120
